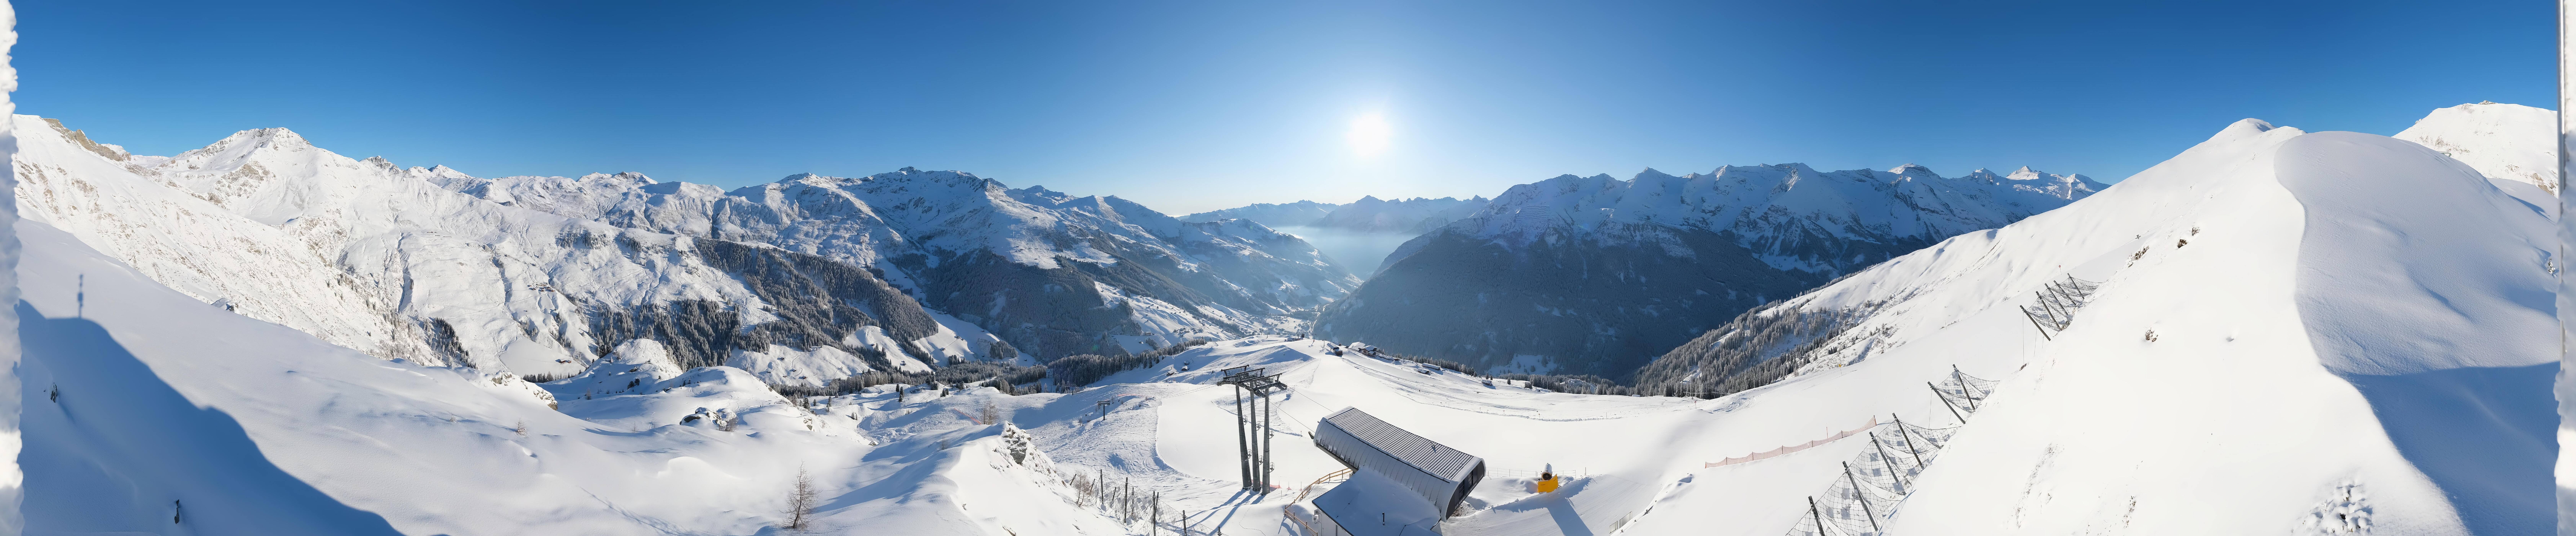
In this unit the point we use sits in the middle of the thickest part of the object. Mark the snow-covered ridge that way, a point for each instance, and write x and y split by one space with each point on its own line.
1271 214
2505 142
975 247
2285 335
1597 275
1415 215
1775 207
381 259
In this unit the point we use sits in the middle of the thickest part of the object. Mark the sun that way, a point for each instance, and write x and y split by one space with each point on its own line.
1370 134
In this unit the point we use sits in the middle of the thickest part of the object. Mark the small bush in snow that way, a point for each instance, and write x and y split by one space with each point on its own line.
801 499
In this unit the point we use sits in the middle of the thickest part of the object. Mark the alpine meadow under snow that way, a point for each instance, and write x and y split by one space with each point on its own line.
2273 332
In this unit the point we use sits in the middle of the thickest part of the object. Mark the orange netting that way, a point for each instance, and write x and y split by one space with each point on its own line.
1783 451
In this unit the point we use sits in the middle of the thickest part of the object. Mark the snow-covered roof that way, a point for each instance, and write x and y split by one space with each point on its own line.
1421 453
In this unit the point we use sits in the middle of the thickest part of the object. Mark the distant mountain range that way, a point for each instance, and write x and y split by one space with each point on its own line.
1597 275
1367 215
1300 213
804 280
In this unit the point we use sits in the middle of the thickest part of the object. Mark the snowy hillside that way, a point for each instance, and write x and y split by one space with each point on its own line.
1296 214
2288 334
2300 333
1416 215
2506 142
379 259
1596 275
973 247
153 413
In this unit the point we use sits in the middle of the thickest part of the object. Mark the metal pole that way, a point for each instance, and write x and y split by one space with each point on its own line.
1882 460
2034 322
1945 400
1243 447
1820 516
2566 388
1909 441
1963 387
1269 439
1863 498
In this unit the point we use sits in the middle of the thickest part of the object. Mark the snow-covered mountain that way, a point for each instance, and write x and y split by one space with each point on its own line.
1597 275
1296 214
2287 332
1051 273
380 259
2308 334
1416 215
2506 142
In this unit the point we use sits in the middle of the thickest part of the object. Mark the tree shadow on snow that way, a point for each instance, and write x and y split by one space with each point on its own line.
119 448
2485 435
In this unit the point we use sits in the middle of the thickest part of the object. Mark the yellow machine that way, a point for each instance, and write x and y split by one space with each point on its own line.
1547 482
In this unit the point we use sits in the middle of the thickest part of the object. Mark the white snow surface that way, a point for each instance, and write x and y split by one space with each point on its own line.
159 406
2307 315
2506 142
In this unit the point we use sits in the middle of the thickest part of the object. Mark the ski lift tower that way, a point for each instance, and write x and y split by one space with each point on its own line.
1252 422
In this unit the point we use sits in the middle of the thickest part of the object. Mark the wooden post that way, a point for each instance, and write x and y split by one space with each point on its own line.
1945 400
1863 498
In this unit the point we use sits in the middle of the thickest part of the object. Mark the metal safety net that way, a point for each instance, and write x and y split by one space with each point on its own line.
1871 487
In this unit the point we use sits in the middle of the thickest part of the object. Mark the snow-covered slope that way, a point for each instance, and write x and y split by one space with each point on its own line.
1416 215
2346 330
381 259
1117 275
1296 214
2293 333
2506 142
159 414
1596 275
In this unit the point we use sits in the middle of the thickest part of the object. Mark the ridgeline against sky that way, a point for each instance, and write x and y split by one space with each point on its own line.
1189 107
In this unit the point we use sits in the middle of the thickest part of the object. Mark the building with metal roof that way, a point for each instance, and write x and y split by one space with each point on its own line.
1407 466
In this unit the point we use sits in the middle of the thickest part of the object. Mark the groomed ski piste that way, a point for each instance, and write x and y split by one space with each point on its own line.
2303 333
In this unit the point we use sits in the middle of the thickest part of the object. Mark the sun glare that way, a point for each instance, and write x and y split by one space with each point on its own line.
1370 135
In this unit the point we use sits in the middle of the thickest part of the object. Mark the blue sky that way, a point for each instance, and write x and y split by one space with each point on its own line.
1190 106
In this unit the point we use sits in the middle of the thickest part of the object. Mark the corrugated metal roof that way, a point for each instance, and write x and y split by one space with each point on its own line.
1429 456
